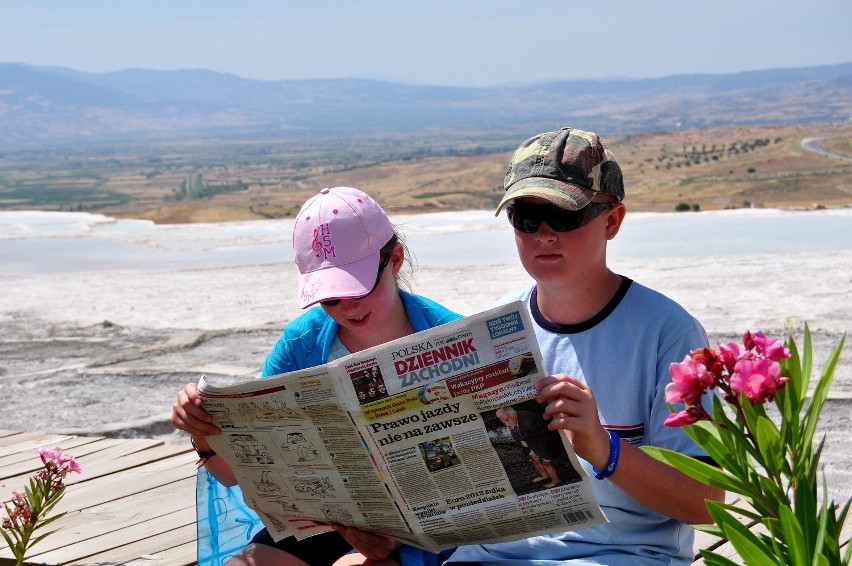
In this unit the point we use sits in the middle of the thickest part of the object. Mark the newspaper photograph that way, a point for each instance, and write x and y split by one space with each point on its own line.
434 439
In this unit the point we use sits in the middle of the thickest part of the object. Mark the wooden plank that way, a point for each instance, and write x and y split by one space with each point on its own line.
6 432
174 548
28 442
68 445
128 452
117 488
133 504
101 521
15 436
118 523
85 453
122 464
706 541
128 483
80 550
120 455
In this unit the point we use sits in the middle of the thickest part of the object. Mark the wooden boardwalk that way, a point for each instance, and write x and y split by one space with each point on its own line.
133 504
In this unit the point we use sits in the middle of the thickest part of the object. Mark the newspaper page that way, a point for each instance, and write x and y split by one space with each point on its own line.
435 439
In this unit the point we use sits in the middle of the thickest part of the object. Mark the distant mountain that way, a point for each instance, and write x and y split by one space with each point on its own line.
48 105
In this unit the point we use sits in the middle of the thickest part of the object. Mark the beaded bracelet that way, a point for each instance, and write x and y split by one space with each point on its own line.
614 449
203 455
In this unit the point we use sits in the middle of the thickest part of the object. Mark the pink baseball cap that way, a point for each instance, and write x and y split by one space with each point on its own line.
337 238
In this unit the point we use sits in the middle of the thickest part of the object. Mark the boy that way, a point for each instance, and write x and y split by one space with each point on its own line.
607 342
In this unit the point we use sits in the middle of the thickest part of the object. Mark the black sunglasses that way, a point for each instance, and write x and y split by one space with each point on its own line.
382 266
527 217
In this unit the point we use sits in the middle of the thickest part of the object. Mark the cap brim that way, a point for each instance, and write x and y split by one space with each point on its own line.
563 195
349 281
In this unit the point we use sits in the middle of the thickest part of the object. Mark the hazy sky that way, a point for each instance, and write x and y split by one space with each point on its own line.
446 42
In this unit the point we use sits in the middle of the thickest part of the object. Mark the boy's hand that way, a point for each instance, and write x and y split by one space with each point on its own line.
187 414
571 406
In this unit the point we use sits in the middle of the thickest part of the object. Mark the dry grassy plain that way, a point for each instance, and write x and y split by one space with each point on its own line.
661 170
708 168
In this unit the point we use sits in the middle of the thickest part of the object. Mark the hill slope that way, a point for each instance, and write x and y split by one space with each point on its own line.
41 105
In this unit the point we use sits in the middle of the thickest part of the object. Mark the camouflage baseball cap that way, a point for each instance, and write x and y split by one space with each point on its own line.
567 168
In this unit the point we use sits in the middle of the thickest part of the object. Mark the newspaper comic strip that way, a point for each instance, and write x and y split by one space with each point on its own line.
434 439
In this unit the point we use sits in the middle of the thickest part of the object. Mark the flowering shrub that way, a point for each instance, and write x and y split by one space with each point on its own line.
772 468
28 512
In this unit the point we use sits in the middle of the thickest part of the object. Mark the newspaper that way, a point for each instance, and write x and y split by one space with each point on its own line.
406 439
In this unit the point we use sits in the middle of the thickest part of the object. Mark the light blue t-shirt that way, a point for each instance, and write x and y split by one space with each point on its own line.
623 353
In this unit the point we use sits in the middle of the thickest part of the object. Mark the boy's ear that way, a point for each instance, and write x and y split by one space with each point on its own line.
614 218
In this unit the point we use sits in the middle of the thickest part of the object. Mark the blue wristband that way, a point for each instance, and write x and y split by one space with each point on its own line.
614 449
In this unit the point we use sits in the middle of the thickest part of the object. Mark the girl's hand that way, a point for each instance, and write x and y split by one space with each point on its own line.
371 545
188 416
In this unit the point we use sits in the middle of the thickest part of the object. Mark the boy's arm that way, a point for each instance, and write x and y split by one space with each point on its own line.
662 487
571 406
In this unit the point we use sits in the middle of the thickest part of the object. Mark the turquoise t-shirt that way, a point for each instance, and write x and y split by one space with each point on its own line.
225 523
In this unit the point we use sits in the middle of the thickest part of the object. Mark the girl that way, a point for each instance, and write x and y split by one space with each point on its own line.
349 259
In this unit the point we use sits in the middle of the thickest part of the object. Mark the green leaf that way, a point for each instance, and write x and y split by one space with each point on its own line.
791 367
751 553
804 498
793 537
708 436
748 545
8 538
738 509
696 469
824 541
50 519
820 394
769 442
806 362
34 541
710 439
806 465
773 494
713 529
786 400
735 434
713 559
725 442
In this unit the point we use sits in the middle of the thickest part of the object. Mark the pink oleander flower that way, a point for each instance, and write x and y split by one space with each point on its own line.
758 379
772 466
712 361
690 379
731 353
688 416
768 347
751 369
29 511
21 512
64 463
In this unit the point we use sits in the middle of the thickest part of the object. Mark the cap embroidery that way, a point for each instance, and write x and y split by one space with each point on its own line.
310 290
322 245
